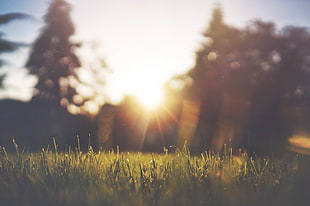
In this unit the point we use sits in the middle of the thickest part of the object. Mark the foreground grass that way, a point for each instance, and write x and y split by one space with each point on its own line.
115 178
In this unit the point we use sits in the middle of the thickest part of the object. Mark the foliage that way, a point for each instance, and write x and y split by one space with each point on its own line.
6 45
253 76
117 178
52 58
90 82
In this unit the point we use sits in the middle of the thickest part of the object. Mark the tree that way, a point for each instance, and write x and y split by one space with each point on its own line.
5 45
246 80
210 76
52 58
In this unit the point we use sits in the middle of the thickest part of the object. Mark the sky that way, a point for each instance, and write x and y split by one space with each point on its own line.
143 42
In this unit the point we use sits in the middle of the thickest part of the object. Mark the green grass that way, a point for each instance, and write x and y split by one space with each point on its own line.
118 178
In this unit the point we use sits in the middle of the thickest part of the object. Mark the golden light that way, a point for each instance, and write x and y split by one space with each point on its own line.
141 74
149 96
91 107
146 87
300 144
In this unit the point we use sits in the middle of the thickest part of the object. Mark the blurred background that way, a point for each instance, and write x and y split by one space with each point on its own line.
145 75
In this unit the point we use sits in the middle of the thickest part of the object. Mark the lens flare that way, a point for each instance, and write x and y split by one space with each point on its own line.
300 144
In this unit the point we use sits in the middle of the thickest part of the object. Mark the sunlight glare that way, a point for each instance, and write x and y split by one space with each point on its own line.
149 96
144 85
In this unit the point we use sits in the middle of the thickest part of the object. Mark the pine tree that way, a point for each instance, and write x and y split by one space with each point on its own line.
52 58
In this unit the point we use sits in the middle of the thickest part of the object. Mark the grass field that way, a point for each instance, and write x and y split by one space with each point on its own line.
115 178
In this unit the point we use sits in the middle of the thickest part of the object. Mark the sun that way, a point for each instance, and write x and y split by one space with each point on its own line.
149 96
144 87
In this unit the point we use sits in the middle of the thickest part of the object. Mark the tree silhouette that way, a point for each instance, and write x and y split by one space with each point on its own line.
6 45
279 82
247 80
210 76
52 58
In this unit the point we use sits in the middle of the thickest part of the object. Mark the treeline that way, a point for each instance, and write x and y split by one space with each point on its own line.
249 88
252 85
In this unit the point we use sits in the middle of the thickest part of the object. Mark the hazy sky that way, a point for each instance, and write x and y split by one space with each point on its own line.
142 41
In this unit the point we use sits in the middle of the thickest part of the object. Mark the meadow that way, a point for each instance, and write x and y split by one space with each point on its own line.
178 178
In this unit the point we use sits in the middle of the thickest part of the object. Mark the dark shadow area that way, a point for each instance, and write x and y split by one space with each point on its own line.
33 126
